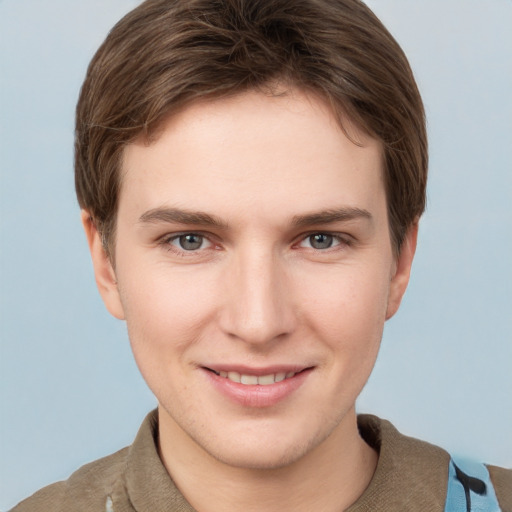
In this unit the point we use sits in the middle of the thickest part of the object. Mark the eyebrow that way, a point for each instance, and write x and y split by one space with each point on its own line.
176 215
332 215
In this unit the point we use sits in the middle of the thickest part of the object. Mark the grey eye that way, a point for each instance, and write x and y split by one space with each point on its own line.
190 242
321 241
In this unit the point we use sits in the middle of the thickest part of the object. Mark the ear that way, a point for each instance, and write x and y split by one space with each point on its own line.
402 271
103 271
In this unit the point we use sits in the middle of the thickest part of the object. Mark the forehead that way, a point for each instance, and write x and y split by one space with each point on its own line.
253 150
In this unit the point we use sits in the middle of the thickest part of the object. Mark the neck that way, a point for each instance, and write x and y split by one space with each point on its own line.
330 477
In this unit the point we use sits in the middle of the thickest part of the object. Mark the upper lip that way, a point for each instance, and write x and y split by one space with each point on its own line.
258 371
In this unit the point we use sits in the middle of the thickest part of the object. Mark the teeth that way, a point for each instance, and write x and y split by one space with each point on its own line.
234 376
264 380
248 379
252 380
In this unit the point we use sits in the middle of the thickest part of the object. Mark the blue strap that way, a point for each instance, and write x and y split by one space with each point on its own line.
470 488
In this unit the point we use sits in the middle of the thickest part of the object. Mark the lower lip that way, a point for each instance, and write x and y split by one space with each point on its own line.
257 396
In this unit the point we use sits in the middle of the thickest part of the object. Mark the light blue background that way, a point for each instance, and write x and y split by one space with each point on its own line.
70 391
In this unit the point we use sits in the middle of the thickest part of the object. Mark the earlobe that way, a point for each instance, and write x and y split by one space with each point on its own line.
400 278
103 270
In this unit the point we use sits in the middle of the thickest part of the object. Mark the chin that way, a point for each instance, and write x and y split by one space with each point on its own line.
258 458
265 450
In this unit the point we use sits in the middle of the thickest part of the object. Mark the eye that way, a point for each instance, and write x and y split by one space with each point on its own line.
321 241
189 242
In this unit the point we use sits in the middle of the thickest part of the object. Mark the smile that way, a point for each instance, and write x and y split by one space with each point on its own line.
257 388
252 380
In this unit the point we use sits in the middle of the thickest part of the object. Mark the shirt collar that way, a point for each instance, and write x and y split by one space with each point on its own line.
407 468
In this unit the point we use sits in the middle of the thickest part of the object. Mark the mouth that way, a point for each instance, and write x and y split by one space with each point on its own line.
258 387
253 380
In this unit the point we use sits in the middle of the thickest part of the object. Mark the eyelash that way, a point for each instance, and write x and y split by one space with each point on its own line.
341 241
167 240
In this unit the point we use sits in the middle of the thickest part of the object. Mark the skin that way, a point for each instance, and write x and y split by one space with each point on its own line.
257 291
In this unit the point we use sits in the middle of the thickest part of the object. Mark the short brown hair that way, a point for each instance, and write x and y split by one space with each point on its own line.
167 53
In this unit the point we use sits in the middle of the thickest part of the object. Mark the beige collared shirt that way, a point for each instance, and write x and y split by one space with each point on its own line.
411 476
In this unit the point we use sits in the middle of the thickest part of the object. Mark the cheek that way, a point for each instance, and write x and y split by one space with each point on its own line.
165 314
347 309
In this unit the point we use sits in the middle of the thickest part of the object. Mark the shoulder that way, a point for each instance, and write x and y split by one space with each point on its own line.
410 469
502 481
113 480
85 490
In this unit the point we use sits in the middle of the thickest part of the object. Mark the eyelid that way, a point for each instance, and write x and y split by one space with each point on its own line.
176 234
166 240
344 239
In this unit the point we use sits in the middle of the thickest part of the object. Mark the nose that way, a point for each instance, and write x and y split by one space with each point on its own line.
258 303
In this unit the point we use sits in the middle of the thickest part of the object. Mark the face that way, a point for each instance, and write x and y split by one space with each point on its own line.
254 268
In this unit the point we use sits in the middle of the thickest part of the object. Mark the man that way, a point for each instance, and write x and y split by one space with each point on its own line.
251 177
